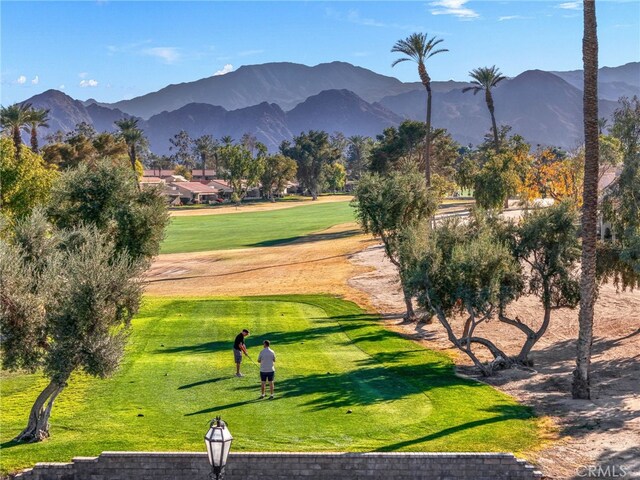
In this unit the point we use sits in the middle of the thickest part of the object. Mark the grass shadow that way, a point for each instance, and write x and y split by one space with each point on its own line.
204 382
313 237
505 412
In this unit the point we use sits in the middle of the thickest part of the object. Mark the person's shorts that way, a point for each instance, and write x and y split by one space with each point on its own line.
237 355
267 376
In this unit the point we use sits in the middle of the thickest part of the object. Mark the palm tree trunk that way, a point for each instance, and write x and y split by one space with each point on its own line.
17 141
489 100
427 139
34 139
581 381
203 157
132 157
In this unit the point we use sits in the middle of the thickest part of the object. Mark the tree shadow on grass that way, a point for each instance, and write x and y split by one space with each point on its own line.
313 237
11 444
360 387
204 382
226 407
505 412
352 322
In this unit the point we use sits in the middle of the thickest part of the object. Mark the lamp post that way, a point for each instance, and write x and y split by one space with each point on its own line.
218 441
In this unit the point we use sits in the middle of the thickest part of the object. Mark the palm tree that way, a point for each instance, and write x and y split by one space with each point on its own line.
581 381
418 48
485 78
37 118
205 147
133 136
16 118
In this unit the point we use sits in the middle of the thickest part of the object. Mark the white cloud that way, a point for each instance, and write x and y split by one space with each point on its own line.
226 69
354 17
83 74
61 87
21 80
168 55
88 83
512 17
35 80
453 7
571 5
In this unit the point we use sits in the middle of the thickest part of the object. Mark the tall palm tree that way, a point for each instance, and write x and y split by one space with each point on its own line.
418 48
205 147
581 381
485 78
16 118
133 136
38 117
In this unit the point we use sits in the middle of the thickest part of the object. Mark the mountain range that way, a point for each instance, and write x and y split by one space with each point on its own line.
276 101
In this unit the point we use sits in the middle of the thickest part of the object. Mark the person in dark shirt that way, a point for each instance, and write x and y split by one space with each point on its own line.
238 349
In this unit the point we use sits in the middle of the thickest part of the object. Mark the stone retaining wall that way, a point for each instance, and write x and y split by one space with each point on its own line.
287 466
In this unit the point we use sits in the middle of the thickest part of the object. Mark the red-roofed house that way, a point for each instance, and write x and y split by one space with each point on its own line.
195 192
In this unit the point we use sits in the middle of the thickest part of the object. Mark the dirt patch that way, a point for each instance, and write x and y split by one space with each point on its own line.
603 432
256 207
316 263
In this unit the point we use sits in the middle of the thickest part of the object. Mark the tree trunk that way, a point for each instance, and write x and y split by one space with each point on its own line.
533 337
132 157
37 428
581 381
426 81
203 157
410 314
489 100
34 140
17 141
427 139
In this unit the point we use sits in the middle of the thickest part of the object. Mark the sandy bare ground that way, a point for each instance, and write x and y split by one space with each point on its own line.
257 207
602 432
317 263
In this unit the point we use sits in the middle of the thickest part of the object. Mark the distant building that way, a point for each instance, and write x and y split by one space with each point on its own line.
195 192
605 183
209 174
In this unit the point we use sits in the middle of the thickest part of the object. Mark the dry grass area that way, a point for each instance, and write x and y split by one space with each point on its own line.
257 206
604 431
317 263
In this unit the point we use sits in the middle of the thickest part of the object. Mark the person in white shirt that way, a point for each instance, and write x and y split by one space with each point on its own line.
267 360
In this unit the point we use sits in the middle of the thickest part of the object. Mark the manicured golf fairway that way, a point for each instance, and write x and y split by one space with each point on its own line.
252 229
331 358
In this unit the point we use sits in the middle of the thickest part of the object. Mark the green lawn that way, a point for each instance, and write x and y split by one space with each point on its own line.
178 374
252 229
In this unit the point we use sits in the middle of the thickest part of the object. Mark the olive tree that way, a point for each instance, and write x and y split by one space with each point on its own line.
67 299
386 205
71 282
478 268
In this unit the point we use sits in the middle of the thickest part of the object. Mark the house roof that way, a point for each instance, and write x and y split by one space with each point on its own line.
195 187
153 180
157 173
607 179
220 185
197 172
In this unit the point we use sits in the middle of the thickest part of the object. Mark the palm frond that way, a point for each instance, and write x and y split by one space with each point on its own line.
400 60
437 51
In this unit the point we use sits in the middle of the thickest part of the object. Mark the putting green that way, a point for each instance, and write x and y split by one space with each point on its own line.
331 359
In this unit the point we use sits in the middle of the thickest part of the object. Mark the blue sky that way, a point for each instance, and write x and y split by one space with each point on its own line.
112 50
